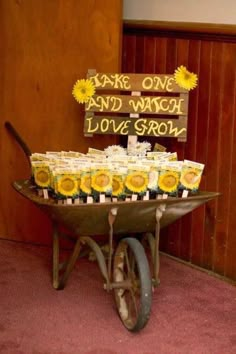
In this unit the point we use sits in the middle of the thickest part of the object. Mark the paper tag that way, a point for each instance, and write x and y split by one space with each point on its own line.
45 193
185 193
146 196
89 199
102 198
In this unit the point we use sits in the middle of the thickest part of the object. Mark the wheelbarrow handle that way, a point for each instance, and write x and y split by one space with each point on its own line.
19 140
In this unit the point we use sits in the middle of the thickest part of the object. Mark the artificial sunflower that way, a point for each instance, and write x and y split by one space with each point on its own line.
190 178
137 181
101 181
117 186
42 176
83 90
67 185
168 181
185 78
85 183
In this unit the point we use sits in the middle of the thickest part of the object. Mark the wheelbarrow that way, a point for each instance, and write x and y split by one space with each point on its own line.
128 270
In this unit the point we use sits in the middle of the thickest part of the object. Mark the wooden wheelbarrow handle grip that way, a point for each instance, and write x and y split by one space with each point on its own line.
19 140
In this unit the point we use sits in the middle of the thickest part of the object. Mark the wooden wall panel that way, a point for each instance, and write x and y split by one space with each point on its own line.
206 236
45 47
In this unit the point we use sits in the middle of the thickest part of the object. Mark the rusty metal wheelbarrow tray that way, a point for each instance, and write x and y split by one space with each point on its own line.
132 217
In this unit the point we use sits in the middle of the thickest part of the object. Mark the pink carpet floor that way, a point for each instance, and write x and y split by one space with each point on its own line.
192 312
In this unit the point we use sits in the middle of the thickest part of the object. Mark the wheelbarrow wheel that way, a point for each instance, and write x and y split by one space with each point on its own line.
134 295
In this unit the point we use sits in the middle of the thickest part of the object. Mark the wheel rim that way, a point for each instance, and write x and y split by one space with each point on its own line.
133 300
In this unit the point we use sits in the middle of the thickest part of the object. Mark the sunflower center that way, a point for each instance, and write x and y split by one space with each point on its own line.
102 180
169 181
42 176
187 76
137 181
190 177
67 184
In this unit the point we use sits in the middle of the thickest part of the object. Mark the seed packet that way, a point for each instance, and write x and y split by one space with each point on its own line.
66 182
85 180
41 173
136 180
92 151
172 156
118 181
191 175
169 177
101 179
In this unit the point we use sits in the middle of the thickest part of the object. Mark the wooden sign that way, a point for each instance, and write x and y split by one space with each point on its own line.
161 108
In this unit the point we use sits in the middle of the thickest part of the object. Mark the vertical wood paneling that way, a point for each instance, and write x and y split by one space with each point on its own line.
230 261
212 164
206 236
226 158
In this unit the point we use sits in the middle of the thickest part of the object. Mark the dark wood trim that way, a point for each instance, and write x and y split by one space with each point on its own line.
204 31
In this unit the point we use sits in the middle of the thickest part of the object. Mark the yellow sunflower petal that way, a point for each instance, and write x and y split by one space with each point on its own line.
185 78
117 186
85 183
83 90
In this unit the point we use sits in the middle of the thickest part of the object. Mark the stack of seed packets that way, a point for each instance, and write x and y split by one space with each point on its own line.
112 175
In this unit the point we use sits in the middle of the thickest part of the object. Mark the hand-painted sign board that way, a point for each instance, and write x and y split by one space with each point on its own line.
161 108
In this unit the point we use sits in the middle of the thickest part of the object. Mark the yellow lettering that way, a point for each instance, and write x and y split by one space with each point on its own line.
176 106
104 125
90 129
95 80
137 105
121 81
174 130
147 83
106 80
169 86
159 83
165 130
91 104
122 127
103 103
153 128
125 128
164 105
116 103
140 126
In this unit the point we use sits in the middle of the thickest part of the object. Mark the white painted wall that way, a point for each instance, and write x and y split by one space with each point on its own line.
207 11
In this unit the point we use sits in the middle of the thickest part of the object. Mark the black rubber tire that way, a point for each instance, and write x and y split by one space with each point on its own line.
134 304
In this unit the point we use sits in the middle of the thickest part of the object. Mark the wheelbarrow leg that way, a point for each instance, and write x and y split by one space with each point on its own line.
55 274
159 213
59 282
